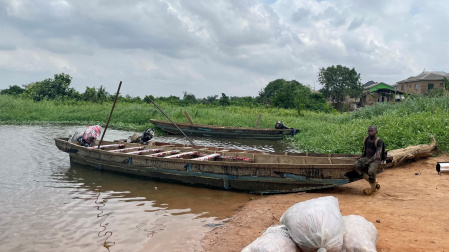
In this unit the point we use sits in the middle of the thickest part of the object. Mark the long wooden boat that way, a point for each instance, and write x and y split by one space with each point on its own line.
238 170
223 131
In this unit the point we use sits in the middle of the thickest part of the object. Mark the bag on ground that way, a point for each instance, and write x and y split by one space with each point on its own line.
316 224
274 239
360 236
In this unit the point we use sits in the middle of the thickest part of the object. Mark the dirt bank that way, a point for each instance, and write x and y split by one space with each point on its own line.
410 212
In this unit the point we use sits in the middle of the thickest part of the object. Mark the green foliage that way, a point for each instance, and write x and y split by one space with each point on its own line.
49 89
12 90
410 122
339 82
189 99
224 100
292 95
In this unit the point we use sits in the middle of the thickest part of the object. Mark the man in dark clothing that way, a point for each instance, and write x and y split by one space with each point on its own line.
367 164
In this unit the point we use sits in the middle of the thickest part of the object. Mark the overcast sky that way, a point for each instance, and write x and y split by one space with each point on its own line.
236 47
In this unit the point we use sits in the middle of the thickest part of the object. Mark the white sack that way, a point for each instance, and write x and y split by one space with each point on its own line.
316 224
274 239
361 235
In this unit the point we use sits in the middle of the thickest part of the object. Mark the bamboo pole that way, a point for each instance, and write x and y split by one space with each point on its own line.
107 124
172 122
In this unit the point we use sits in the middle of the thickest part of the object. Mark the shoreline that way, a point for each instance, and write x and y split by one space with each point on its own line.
409 211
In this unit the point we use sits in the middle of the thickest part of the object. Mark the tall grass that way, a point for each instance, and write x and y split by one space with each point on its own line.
409 122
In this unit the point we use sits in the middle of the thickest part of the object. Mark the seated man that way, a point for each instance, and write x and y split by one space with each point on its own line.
367 164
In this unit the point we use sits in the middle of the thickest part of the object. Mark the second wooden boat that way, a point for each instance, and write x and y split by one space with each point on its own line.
191 129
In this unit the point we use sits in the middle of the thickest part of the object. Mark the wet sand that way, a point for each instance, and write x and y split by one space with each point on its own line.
410 211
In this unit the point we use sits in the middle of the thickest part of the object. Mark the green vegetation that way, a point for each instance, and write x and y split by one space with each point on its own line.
410 122
339 82
322 128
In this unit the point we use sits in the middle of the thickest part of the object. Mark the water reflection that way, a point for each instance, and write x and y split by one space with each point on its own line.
166 196
47 204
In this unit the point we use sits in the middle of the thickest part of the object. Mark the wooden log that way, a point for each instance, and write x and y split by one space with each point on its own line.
412 152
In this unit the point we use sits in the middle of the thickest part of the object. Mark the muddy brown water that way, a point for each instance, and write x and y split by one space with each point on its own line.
48 204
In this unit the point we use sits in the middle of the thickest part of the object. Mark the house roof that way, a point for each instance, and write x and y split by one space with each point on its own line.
426 75
376 86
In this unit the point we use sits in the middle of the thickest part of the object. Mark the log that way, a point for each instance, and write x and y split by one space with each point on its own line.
412 152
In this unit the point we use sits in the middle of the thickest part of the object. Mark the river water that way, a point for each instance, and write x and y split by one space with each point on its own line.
48 204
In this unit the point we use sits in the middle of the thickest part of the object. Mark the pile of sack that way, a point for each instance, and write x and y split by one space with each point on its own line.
317 225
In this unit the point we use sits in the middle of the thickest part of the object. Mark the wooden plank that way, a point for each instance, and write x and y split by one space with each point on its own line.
127 149
258 120
108 146
163 153
144 151
188 117
207 157
182 154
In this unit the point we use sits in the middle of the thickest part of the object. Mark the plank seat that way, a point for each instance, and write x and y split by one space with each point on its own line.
164 153
144 151
206 157
127 149
108 146
182 154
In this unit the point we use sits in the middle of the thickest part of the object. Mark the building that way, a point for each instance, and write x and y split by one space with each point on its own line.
375 92
422 83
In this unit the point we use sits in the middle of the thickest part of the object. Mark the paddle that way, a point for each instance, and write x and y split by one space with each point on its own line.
116 95
171 121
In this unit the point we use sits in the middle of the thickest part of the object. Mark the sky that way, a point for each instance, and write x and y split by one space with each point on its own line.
206 48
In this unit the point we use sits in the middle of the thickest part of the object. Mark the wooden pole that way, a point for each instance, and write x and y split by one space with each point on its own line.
116 95
258 120
188 117
172 122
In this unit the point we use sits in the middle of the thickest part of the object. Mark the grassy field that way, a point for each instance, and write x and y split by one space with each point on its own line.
410 122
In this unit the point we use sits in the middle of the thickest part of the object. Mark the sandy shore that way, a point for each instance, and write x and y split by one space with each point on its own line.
410 212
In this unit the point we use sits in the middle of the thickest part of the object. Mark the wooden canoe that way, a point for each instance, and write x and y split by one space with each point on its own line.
223 131
238 170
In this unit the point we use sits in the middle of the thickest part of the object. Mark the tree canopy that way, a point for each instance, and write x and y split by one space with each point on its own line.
339 82
292 95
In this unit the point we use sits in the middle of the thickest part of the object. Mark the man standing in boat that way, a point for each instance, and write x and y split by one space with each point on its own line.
371 158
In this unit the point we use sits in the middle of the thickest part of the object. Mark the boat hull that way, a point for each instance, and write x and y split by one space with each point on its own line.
289 174
222 131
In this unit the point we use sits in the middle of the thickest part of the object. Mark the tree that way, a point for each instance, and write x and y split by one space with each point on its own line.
50 89
12 90
189 99
339 82
224 100
269 91
289 94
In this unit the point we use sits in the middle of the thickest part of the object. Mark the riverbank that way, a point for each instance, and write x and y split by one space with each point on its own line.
409 211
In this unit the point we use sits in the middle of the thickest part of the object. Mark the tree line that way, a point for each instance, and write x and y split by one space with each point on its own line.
338 82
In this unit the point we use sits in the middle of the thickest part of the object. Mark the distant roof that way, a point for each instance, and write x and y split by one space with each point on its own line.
426 75
369 83
376 86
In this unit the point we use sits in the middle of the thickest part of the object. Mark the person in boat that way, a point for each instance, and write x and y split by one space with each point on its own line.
87 137
367 164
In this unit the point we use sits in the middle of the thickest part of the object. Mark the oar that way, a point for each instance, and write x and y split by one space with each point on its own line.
172 122
116 95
